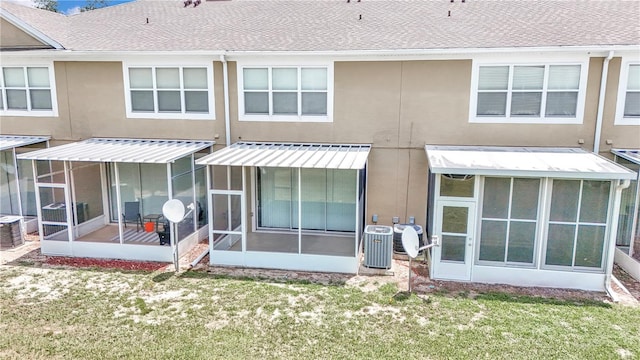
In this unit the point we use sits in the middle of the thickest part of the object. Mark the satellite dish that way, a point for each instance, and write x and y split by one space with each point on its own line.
410 241
173 210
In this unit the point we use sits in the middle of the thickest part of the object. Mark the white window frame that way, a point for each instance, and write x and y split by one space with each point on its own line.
4 111
183 115
542 119
536 246
281 117
622 93
577 223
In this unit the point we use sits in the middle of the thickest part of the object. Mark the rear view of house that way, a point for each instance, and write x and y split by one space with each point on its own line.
292 125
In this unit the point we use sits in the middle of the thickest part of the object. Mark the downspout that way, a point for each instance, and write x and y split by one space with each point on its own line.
603 89
227 123
612 238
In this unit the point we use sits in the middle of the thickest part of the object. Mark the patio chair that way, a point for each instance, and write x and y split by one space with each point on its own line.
163 232
132 214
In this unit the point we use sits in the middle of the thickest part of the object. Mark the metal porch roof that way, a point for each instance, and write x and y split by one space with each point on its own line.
632 155
291 155
523 161
14 141
120 150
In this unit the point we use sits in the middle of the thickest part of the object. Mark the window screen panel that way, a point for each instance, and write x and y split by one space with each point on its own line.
169 101
38 76
13 77
564 200
140 78
493 78
195 78
524 203
633 80
560 244
314 103
493 238
595 201
40 99
492 104
590 246
522 238
167 78
141 100
285 79
256 103
285 103
196 101
255 79
564 77
526 103
17 99
632 104
528 77
495 203
314 79
561 104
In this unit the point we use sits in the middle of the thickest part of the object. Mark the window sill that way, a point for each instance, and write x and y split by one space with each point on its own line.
27 113
287 118
628 121
525 120
170 116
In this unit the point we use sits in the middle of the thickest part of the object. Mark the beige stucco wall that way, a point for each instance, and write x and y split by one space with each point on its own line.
13 37
620 136
91 103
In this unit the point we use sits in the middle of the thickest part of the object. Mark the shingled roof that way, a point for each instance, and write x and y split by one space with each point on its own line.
338 25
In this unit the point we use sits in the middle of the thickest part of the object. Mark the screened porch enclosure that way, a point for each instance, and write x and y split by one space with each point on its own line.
524 216
17 190
110 204
275 216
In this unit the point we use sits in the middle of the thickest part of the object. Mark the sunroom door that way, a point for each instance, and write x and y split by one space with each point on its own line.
455 229
227 227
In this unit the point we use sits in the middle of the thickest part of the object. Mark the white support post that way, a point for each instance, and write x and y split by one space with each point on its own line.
67 200
210 217
15 166
299 210
243 211
116 170
194 200
357 215
38 201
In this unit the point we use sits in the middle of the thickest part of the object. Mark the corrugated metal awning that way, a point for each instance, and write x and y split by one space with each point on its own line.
14 141
319 156
523 161
120 150
632 155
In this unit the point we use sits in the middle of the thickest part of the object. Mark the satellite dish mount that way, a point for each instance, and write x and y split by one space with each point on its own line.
175 212
411 245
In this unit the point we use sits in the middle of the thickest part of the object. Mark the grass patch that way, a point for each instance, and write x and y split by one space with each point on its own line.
82 314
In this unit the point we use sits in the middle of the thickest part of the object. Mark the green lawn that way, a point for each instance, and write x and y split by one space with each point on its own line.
96 314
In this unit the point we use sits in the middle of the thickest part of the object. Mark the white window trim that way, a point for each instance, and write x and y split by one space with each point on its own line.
538 222
52 87
507 119
547 222
622 93
285 118
211 115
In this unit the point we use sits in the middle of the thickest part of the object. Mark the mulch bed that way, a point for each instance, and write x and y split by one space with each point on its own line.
104 263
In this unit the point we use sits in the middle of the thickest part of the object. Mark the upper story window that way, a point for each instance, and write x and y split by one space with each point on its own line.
285 93
628 110
169 92
27 91
528 93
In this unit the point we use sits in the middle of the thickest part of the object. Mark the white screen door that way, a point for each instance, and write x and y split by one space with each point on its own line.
455 229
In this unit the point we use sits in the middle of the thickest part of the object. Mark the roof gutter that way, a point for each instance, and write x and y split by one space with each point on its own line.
227 121
622 184
601 98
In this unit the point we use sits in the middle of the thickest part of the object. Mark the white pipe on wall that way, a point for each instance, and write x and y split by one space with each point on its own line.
227 121
612 236
601 98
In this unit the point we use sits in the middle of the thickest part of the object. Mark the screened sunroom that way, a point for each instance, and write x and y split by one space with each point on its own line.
103 197
628 239
287 206
17 191
524 216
